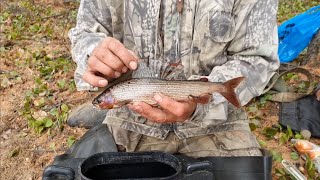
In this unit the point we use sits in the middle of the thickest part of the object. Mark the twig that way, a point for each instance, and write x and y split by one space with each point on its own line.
48 17
68 20
54 16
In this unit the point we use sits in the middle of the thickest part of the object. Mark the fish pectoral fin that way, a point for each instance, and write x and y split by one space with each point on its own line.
124 102
203 99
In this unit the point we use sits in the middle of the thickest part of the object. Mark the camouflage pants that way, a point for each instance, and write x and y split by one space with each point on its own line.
224 143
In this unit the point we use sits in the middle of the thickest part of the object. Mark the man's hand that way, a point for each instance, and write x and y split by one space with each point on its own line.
170 110
109 60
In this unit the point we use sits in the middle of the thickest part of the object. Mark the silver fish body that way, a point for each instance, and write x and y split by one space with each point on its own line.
144 89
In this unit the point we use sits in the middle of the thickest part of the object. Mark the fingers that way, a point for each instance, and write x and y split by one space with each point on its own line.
95 65
180 109
118 49
170 111
152 113
109 60
94 80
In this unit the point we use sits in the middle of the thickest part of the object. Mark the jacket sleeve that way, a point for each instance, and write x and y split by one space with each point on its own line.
93 25
251 54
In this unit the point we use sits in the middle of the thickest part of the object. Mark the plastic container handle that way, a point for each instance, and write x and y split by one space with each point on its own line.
51 172
199 166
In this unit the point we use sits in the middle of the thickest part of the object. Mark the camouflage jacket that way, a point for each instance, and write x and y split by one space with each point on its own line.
217 39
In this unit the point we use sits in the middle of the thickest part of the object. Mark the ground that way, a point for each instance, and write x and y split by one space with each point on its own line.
37 89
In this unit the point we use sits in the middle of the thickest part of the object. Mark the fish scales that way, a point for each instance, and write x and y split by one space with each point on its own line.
144 89
136 90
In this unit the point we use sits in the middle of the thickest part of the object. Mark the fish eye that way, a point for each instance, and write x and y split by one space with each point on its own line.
108 99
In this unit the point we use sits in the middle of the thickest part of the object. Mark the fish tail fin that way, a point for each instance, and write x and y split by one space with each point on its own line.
229 90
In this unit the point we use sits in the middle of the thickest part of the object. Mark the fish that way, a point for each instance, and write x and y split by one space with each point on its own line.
144 89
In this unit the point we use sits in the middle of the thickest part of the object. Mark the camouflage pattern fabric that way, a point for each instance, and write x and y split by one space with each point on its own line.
217 39
220 142
226 143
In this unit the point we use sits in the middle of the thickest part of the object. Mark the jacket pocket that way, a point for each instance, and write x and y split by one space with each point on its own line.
221 26
235 140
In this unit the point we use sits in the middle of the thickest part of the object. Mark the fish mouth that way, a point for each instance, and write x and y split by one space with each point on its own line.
101 104
96 106
96 102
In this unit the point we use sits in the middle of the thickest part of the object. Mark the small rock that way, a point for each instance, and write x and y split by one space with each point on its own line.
256 122
23 134
5 136
301 169
39 114
42 94
260 113
8 131
306 134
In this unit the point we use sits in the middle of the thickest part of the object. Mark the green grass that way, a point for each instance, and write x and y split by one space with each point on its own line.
290 8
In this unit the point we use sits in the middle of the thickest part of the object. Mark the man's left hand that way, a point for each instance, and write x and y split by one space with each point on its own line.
170 111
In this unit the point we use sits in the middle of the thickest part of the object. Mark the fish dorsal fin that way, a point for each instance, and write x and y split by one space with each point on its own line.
159 69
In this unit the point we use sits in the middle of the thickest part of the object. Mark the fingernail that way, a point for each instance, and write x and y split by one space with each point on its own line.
124 69
117 74
133 65
158 98
103 82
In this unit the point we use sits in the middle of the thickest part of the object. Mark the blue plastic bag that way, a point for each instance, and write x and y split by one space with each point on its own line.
295 34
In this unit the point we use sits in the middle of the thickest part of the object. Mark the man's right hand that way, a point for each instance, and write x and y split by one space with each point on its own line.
109 60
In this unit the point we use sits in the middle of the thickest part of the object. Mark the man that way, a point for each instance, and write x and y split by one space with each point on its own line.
219 40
